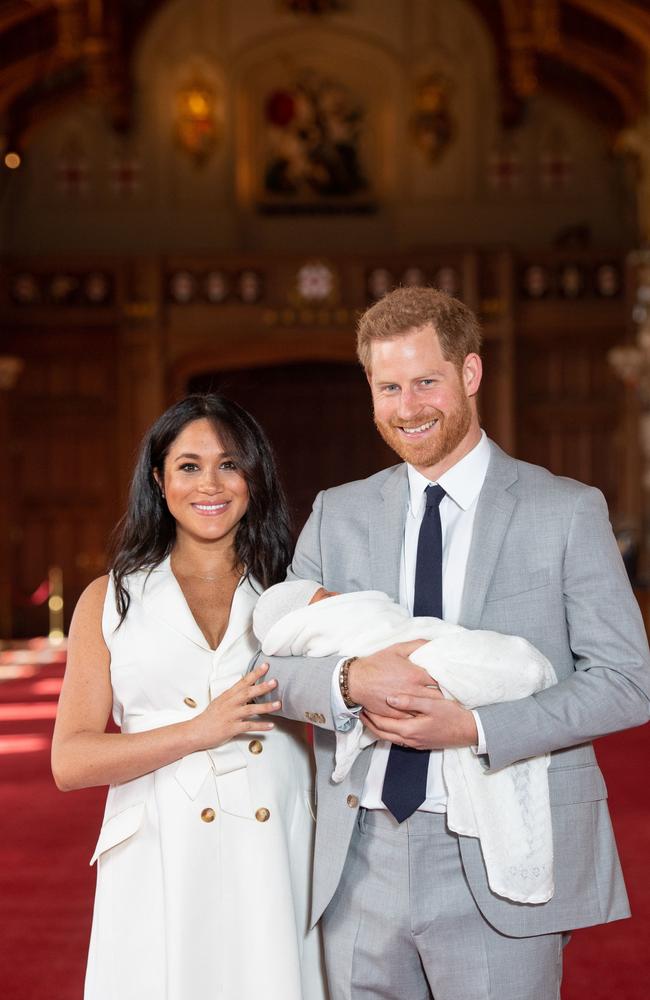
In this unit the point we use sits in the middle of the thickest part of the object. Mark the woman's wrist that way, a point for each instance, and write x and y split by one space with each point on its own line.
193 735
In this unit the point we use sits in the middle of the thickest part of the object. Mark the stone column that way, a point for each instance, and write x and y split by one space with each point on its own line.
634 142
631 362
10 369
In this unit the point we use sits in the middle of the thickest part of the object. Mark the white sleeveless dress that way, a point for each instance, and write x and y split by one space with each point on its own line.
203 866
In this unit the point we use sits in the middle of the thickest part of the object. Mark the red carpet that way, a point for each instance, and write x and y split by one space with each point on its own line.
46 886
46 839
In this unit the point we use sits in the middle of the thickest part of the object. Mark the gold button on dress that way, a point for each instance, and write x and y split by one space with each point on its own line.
262 815
208 815
255 746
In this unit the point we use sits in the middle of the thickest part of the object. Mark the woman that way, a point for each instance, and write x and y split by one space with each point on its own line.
204 853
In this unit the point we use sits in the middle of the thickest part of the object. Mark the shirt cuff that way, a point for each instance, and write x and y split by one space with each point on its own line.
480 749
344 717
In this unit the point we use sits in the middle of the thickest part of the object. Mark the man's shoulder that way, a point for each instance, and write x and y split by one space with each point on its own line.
539 482
362 489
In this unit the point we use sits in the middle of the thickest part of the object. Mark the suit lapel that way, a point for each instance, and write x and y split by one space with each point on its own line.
493 513
386 515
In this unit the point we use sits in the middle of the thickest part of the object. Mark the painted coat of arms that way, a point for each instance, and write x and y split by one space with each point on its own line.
314 128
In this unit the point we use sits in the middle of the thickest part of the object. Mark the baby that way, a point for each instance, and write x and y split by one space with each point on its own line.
507 810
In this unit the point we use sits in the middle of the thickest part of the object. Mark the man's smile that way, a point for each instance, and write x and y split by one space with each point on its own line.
419 430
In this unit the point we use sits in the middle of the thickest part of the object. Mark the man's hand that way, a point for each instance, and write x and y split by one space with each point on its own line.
429 722
374 679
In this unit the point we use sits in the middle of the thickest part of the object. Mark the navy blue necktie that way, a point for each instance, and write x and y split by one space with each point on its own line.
405 783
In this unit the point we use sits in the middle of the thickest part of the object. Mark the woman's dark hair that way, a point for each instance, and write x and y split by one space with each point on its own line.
145 534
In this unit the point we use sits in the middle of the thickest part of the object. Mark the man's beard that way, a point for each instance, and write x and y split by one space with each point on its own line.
447 435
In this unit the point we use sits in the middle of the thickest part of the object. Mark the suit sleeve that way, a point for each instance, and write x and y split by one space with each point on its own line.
610 687
304 683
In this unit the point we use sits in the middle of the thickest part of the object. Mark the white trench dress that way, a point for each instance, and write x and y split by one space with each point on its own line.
203 866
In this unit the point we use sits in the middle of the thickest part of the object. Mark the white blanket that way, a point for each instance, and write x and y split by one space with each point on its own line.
507 810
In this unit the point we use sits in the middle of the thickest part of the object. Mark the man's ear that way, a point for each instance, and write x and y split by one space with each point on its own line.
472 374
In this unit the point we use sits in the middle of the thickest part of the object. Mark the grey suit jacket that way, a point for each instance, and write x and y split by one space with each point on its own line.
543 564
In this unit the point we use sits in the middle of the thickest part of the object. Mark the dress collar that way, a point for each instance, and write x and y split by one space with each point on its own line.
163 598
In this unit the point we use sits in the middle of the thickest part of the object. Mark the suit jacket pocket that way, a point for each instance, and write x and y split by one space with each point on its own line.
584 783
118 829
510 584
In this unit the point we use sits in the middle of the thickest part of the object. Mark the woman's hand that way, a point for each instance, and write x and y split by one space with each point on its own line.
84 754
234 712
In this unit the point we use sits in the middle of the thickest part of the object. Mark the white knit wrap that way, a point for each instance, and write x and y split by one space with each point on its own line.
507 810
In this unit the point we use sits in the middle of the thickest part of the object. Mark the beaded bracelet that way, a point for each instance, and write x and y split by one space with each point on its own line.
344 685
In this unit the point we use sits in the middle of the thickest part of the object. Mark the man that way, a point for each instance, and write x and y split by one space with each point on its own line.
461 530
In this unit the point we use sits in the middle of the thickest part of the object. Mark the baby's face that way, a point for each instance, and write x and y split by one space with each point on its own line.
321 594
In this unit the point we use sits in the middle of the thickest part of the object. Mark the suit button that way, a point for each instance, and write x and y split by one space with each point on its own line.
189 702
262 815
255 746
208 815
352 801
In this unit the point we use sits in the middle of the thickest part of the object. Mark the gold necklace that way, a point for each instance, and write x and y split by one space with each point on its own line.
195 576
204 579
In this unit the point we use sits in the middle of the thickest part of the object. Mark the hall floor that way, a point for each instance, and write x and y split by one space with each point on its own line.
46 839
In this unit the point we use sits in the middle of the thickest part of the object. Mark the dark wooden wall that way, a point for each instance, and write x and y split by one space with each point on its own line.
318 419
94 378
572 414
62 463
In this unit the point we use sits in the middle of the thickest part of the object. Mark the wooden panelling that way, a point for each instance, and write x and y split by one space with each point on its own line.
63 419
89 390
569 406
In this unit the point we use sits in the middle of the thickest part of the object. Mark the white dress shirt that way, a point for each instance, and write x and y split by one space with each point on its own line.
462 485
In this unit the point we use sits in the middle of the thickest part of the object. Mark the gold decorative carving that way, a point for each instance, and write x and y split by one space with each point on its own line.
432 124
10 369
198 125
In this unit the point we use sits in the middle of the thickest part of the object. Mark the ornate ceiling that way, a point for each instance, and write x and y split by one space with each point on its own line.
593 53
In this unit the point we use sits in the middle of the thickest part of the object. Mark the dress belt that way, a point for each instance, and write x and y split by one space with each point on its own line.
227 763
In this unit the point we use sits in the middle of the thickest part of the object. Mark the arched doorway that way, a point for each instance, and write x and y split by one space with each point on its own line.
318 417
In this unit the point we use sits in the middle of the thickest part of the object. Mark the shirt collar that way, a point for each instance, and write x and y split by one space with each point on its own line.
462 483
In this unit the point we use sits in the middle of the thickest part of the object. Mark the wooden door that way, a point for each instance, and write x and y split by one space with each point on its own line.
319 419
